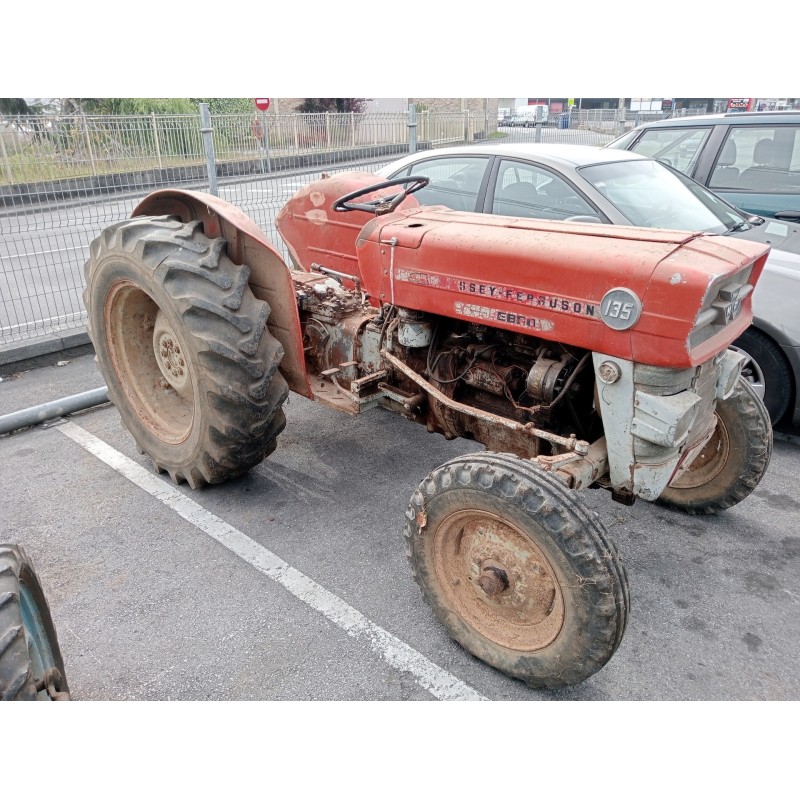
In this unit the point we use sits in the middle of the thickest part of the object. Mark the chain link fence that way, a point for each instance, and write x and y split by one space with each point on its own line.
64 179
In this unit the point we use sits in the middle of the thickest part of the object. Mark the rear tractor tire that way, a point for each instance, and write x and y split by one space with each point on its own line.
732 463
519 571
183 345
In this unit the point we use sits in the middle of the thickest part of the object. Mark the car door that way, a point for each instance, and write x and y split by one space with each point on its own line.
758 168
520 188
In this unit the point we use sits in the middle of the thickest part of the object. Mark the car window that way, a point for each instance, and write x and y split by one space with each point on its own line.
622 142
454 180
652 195
759 158
527 190
676 147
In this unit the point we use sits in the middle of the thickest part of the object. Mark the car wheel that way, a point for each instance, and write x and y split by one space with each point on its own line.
767 371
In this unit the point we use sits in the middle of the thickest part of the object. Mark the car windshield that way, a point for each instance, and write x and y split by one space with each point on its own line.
651 195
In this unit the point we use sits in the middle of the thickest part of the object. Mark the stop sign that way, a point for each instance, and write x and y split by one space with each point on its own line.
262 103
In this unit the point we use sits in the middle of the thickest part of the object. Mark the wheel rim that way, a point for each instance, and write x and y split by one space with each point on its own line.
752 372
498 580
709 462
149 359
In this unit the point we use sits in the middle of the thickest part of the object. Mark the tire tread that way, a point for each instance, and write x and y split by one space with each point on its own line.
579 530
227 326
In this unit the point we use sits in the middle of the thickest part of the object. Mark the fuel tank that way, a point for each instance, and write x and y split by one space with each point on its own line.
660 297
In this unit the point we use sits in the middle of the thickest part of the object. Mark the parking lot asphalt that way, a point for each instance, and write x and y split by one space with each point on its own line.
291 583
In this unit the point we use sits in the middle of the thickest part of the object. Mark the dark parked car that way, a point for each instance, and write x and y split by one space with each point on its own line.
752 160
590 184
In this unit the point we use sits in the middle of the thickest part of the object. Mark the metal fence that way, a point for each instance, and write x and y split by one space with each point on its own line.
63 179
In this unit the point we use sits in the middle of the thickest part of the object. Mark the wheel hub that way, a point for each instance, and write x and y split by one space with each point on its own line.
500 581
170 359
709 462
151 365
169 356
493 580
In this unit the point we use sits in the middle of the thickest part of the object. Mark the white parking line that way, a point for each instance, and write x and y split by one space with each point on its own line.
440 683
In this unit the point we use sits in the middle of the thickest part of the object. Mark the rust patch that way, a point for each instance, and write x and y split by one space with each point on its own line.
317 216
486 314
498 579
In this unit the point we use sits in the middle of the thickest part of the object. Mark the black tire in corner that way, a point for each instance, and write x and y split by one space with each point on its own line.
767 370
184 347
28 641
521 573
732 463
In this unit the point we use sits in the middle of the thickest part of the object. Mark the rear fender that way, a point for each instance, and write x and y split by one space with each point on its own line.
270 278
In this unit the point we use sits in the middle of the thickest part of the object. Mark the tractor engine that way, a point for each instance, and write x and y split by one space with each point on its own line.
494 372
510 375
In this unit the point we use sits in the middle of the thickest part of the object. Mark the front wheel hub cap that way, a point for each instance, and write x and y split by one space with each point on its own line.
498 579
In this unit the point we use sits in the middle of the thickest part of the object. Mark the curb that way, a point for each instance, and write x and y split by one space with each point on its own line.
42 346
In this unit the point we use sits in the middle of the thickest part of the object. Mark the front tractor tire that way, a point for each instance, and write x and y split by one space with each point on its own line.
519 571
732 463
183 345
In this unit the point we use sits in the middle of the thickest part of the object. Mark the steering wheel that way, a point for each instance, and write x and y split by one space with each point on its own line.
381 205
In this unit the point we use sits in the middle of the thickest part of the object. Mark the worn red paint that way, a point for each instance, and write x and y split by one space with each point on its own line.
534 259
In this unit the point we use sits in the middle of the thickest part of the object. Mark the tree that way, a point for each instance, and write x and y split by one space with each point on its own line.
18 106
135 105
13 106
155 105
334 105
226 105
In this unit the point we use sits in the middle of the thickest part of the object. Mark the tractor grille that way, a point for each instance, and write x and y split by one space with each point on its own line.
722 305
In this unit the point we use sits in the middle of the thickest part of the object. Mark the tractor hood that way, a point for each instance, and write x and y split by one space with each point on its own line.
660 297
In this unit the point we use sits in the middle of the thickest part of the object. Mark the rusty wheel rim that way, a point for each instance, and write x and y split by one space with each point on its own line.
499 581
149 360
709 462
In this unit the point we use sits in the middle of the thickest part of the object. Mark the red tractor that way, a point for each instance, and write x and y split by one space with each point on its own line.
578 354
